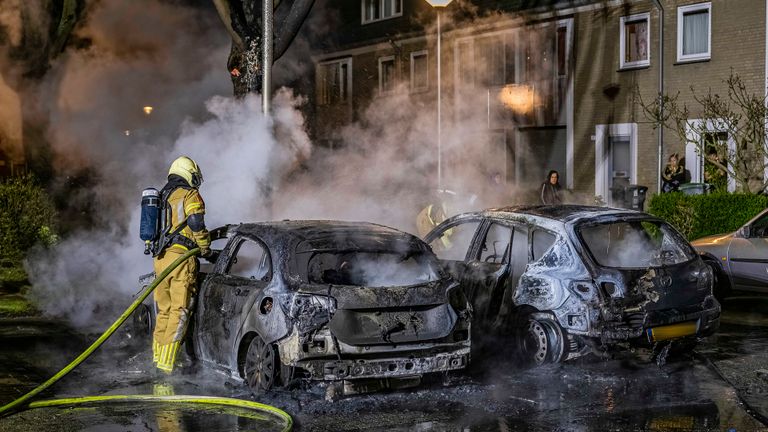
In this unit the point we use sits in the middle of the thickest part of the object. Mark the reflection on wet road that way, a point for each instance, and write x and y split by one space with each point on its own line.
698 393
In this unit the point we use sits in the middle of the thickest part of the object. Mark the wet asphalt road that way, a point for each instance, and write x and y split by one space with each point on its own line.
724 386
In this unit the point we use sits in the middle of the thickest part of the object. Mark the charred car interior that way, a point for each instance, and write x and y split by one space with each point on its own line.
564 281
323 300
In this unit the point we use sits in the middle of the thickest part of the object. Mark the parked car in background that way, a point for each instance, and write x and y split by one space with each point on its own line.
327 300
739 259
562 281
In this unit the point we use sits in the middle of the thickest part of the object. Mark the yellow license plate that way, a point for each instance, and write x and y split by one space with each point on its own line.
672 331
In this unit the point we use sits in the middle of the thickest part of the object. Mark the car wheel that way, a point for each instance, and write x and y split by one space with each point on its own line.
260 367
540 341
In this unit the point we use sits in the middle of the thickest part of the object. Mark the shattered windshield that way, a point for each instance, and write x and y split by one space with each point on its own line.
373 269
634 244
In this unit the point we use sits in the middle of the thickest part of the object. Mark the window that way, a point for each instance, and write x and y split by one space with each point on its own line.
250 261
374 269
634 244
377 10
489 59
419 71
453 243
386 74
495 248
334 82
542 241
635 41
694 34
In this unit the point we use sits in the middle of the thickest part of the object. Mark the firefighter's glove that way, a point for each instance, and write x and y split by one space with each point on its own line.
209 255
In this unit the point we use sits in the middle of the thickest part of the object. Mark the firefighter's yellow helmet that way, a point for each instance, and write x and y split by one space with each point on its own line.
187 169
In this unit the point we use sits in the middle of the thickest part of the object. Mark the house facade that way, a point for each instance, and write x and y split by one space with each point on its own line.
543 87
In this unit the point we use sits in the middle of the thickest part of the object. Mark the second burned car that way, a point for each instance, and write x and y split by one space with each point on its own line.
327 301
563 281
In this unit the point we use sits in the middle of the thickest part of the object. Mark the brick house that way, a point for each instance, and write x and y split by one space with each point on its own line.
545 87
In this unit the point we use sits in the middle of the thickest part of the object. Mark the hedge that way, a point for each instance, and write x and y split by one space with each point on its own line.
27 217
697 216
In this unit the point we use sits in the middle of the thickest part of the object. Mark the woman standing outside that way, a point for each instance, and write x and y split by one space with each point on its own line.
550 189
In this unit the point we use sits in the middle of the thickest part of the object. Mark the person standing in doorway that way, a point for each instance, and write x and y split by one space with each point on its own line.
550 192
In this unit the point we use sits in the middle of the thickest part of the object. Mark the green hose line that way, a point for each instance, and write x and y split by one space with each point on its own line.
209 400
17 404
104 336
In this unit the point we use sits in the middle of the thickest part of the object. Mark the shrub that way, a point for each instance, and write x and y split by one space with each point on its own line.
697 216
27 216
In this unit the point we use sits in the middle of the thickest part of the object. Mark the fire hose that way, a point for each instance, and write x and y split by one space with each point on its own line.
20 404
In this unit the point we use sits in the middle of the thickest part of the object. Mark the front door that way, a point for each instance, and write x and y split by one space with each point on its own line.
451 241
224 298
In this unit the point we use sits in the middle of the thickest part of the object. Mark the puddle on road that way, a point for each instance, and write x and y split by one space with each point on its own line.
142 416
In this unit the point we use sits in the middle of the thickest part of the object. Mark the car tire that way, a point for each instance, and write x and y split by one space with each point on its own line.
540 340
261 366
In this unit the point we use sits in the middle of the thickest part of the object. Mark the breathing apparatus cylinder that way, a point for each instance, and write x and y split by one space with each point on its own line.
150 217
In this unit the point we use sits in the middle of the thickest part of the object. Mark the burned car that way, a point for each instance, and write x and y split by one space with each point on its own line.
563 281
739 259
327 301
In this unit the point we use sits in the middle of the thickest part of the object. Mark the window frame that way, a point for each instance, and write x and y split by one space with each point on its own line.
681 11
381 75
348 85
235 249
394 14
623 64
414 54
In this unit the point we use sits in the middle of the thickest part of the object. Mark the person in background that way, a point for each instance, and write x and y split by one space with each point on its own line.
550 192
674 174
713 174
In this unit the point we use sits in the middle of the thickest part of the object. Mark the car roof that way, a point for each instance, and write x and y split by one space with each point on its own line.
565 213
318 231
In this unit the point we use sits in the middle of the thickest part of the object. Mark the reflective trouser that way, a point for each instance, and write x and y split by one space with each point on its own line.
173 297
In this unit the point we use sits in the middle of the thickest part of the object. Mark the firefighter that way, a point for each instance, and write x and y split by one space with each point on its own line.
183 228
430 217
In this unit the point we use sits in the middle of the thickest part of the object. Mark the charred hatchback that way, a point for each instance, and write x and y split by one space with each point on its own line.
327 301
564 281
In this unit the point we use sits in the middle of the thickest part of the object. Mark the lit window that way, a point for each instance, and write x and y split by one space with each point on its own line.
377 10
386 74
635 41
334 82
694 33
419 71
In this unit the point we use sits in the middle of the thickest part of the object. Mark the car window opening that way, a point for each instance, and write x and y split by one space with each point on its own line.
372 269
634 244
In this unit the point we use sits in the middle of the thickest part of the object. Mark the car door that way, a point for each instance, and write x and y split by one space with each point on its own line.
243 271
487 271
452 242
748 257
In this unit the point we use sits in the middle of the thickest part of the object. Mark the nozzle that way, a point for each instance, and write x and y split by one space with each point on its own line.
146 248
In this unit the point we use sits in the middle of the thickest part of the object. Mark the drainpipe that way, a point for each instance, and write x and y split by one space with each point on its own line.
660 132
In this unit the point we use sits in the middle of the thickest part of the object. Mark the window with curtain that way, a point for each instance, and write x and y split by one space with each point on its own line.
377 10
419 72
694 32
635 41
386 74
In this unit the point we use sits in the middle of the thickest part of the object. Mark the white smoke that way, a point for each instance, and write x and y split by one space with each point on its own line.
254 168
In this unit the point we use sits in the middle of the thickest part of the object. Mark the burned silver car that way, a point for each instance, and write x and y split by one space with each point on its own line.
327 301
562 281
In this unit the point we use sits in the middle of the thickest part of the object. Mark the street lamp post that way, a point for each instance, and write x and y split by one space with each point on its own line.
439 4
